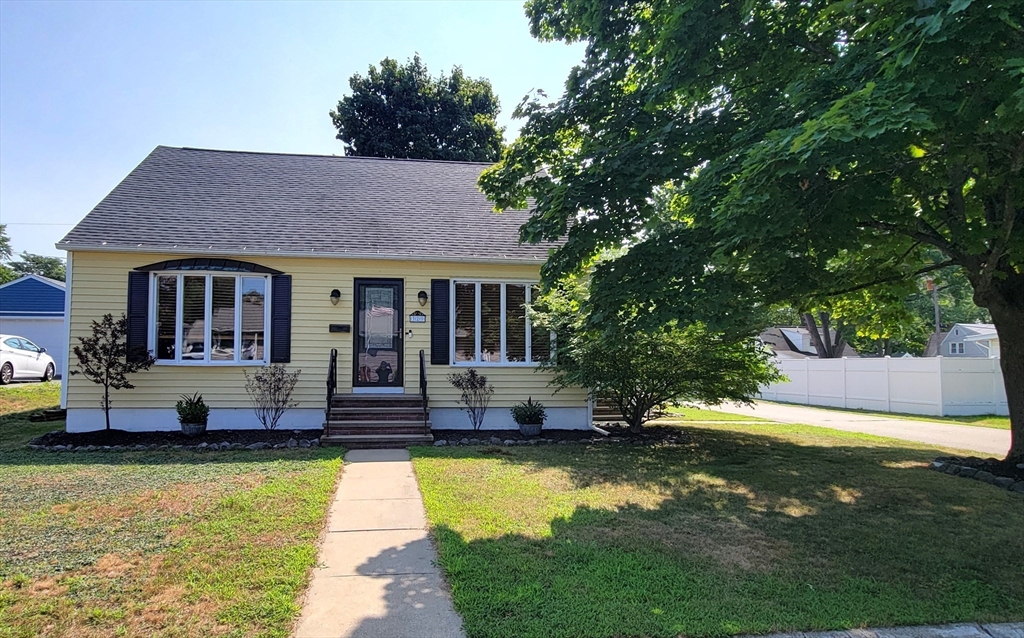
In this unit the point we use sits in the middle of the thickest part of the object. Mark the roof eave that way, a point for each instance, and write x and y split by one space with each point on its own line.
312 253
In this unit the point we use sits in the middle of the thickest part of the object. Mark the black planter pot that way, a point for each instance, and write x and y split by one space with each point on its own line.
530 429
193 429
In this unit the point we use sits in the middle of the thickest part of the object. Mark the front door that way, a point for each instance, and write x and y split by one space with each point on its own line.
378 334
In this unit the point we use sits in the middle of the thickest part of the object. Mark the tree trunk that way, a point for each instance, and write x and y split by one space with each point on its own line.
1009 322
106 404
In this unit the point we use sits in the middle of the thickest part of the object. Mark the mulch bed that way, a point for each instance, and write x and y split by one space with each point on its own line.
616 434
122 437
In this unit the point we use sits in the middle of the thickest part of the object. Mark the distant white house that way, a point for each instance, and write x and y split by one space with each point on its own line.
970 340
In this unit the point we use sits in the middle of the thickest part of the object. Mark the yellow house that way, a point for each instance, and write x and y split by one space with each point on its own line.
227 261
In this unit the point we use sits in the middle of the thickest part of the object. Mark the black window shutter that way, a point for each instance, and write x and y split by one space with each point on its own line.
440 289
138 315
281 319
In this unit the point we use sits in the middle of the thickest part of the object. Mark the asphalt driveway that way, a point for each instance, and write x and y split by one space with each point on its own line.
988 441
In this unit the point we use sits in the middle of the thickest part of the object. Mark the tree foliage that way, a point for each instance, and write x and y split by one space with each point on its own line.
401 111
6 274
804 149
30 264
104 359
640 369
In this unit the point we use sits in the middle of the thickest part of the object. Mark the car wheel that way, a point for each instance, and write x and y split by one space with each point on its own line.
48 375
6 374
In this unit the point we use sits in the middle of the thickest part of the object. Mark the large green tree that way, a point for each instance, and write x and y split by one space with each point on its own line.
6 274
806 149
31 264
402 111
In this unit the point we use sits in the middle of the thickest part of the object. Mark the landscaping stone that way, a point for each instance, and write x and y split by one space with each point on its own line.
256 446
441 443
508 442
1003 481
202 446
303 443
495 440
968 472
937 466
1017 487
279 446
985 477
314 442
291 443
951 468
463 441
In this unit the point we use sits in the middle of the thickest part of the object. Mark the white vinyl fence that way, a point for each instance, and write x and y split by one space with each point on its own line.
935 386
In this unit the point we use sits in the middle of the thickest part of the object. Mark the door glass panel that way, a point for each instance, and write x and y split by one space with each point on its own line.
222 332
254 304
166 320
378 341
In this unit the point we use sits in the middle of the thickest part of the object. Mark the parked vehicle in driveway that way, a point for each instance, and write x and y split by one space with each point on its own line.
20 359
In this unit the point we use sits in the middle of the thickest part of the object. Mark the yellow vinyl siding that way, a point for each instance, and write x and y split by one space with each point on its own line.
100 282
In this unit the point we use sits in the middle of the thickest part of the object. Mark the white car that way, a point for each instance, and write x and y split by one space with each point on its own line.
22 359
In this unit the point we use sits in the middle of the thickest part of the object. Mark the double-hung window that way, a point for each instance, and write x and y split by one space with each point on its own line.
956 347
210 318
490 325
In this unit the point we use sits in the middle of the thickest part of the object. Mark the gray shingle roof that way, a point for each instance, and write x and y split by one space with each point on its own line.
229 202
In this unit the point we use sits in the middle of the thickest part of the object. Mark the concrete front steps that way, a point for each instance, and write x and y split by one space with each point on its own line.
377 421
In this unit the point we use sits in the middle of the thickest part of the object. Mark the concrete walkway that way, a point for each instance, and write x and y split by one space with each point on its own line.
377 575
987 441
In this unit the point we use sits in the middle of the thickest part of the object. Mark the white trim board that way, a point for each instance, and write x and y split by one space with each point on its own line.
62 286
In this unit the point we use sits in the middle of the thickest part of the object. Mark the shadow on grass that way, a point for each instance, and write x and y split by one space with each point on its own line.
737 533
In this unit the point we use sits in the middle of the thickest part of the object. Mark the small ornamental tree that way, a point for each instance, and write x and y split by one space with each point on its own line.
476 394
270 390
638 369
104 358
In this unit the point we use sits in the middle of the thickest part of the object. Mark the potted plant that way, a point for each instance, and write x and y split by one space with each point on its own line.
192 414
530 417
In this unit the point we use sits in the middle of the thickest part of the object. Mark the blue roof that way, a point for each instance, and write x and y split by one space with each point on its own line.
32 296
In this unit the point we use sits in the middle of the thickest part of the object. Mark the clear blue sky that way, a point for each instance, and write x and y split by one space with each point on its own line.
88 89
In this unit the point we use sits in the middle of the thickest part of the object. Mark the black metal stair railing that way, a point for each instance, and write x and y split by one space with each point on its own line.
423 385
332 385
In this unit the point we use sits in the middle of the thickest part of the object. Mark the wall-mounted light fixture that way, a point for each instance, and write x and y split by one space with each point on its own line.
335 296
422 297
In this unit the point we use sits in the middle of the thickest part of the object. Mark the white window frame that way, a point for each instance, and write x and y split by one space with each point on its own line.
529 363
207 317
956 347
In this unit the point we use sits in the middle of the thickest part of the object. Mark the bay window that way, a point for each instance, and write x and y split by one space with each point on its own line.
214 318
490 325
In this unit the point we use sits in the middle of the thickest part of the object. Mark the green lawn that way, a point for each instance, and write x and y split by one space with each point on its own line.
17 402
750 529
983 420
153 543
699 414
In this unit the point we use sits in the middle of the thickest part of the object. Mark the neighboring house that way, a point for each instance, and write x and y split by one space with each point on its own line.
794 342
934 345
227 261
970 340
32 306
